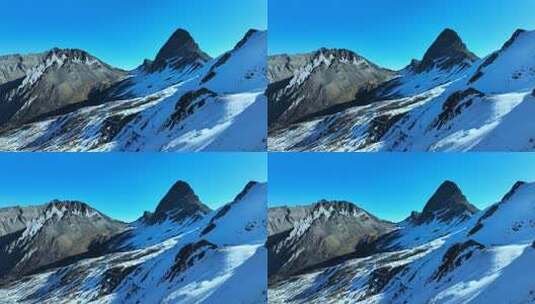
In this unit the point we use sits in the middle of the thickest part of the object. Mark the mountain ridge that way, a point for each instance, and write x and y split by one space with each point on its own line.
433 261
431 109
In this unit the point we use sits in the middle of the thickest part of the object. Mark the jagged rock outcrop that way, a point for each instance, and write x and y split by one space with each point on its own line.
179 204
179 52
447 203
446 52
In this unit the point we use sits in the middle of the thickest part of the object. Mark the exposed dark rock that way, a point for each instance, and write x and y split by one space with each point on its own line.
454 105
45 84
68 229
245 38
478 226
211 74
379 279
513 38
211 226
490 59
479 72
113 277
513 190
380 125
225 57
180 203
337 80
455 256
334 229
492 209
446 204
225 209
447 50
187 256
178 52
113 125
187 104
245 190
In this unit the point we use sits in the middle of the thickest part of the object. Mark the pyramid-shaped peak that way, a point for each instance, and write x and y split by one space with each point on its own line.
179 203
448 202
448 193
179 51
449 34
181 187
446 51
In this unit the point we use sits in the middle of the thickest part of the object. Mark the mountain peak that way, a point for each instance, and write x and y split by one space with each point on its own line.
513 38
179 51
179 203
246 190
246 38
448 202
513 190
448 50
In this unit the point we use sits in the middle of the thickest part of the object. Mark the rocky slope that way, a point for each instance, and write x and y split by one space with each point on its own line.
181 101
448 101
51 81
303 85
39 236
302 237
476 259
179 51
198 256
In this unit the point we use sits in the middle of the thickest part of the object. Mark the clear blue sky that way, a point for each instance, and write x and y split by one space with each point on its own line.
123 185
391 185
123 33
392 32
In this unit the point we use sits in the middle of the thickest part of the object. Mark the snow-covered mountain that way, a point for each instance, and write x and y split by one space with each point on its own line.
52 81
474 257
181 101
305 84
38 236
183 252
448 101
303 237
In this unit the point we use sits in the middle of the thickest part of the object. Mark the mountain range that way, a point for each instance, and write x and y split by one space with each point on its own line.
450 100
183 100
183 252
450 252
